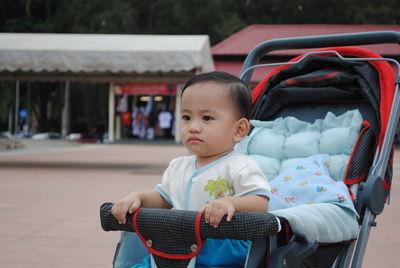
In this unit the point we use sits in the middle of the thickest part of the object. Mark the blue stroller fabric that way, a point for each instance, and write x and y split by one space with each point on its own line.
215 253
130 251
308 182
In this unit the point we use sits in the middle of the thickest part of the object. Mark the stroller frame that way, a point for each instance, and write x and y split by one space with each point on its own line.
373 183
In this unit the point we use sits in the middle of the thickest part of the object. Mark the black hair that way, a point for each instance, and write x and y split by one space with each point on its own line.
238 90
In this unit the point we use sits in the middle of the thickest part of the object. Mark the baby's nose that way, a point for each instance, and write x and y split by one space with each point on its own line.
194 127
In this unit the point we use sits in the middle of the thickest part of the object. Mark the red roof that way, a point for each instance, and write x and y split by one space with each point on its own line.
242 42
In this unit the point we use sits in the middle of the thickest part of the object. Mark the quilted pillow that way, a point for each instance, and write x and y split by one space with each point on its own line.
279 144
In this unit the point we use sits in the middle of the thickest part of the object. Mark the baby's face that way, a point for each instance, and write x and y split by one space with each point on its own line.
208 120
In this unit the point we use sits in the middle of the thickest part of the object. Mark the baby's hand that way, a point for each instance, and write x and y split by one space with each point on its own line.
217 209
129 203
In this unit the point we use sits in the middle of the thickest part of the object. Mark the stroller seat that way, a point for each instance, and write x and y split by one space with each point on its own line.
306 92
288 142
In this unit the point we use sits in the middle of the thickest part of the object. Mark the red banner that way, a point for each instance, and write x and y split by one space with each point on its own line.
145 89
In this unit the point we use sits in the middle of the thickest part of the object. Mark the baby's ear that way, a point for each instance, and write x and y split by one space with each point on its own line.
242 128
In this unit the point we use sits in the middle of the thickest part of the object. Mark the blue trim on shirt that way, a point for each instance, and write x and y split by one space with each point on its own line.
196 172
258 192
164 195
187 194
189 186
210 165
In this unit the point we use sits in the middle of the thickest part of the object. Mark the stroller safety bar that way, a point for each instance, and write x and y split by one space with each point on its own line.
243 226
180 233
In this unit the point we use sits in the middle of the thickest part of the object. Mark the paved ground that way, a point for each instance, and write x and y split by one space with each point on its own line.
50 195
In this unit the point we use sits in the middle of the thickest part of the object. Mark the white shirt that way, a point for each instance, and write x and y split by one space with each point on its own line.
186 187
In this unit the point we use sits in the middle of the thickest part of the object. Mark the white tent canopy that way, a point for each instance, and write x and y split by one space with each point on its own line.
106 57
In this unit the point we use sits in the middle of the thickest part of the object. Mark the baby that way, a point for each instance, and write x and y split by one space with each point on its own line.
215 180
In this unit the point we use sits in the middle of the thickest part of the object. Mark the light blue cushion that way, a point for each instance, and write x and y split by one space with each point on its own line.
279 144
338 166
269 166
271 147
337 140
302 144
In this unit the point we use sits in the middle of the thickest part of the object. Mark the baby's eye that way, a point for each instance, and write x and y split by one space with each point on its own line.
207 118
185 117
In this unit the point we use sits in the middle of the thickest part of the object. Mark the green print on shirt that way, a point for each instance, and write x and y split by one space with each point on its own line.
218 188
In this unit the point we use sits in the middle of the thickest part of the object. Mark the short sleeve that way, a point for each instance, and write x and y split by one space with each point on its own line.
250 180
164 188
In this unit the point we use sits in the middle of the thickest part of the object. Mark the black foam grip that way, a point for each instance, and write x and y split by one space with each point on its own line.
243 226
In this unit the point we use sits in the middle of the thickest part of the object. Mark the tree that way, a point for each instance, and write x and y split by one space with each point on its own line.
7 98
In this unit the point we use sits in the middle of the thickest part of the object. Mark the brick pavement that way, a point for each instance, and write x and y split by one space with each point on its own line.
49 200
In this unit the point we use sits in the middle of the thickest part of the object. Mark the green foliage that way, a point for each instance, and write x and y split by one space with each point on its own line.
46 100
89 106
324 12
7 96
217 18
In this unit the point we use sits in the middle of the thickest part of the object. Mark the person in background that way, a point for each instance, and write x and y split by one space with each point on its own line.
164 121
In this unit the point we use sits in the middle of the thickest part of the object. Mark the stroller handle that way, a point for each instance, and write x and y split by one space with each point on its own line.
319 41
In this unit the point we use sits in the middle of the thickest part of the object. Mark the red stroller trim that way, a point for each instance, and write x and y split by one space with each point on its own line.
366 125
199 241
292 81
386 81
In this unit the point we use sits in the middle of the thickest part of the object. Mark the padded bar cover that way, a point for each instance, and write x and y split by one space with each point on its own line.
243 226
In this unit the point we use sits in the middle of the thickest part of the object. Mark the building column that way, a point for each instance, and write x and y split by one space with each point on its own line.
16 120
111 112
178 114
29 108
65 124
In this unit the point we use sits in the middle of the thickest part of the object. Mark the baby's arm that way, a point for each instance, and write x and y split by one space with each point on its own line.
134 200
217 209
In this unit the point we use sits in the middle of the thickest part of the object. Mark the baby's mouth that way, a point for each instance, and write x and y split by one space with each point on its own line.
194 140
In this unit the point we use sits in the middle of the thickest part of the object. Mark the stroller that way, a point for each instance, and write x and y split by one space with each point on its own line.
336 80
